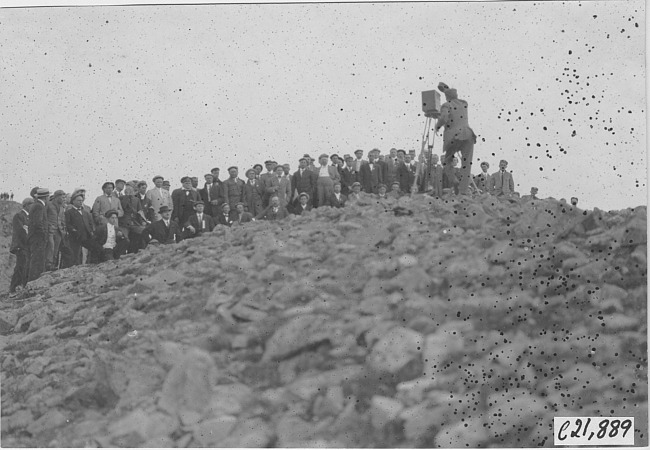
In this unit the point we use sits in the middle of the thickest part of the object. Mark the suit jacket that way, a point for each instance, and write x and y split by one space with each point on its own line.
482 181
133 211
221 219
298 210
55 218
145 202
18 231
198 227
348 176
243 218
277 186
502 184
435 178
38 225
390 174
403 174
371 178
163 234
103 204
268 213
233 191
101 234
183 201
159 197
335 203
253 195
303 183
216 193
80 225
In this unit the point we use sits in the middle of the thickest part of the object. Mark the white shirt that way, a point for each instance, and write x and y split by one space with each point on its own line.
323 171
110 238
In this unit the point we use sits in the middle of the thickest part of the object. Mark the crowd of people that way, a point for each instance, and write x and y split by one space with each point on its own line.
58 230
6 196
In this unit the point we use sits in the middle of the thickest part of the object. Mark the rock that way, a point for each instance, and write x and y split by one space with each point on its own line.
51 419
147 424
329 404
250 433
298 333
293 431
383 410
187 390
514 410
395 350
229 399
38 365
466 433
418 420
19 419
212 432
308 386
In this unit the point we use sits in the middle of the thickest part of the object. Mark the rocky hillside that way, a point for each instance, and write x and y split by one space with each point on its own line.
7 261
418 323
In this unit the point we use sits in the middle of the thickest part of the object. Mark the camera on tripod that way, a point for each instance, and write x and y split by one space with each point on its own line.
431 104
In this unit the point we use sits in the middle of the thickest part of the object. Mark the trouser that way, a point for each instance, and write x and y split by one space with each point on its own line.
324 190
52 250
106 254
66 255
21 271
76 253
37 257
466 149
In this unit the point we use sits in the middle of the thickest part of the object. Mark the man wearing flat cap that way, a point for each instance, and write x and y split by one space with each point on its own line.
458 136
358 161
106 202
20 246
266 181
303 204
310 163
303 180
241 216
348 175
158 197
37 234
119 188
233 188
165 230
355 194
338 199
253 193
371 175
199 222
327 175
111 240
274 211
56 229
183 200
80 226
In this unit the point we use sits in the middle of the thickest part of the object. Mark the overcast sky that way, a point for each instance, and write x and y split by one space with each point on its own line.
91 94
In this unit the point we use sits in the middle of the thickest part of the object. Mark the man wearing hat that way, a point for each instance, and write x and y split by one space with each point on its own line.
358 161
20 246
458 136
80 226
199 222
371 175
111 240
119 188
501 182
165 230
303 204
338 199
37 234
327 175
266 181
233 188
278 185
310 163
348 175
253 193
274 211
56 229
355 194
303 180
402 172
167 185
183 200
482 180
159 197
216 193
106 202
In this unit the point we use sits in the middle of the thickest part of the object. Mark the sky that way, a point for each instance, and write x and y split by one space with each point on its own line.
91 94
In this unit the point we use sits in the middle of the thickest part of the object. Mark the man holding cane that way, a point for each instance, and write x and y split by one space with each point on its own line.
458 136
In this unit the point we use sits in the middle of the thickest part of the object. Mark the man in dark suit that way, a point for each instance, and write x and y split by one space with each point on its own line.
165 230
199 222
111 240
371 175
233 188
348 175
205 193
242 216
274 211
223 218
337 200
37 234
303 204
183 200
303 180
81 228
20 246
253 193
216 192
402 172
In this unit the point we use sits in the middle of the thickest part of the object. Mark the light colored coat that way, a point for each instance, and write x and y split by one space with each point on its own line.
159 197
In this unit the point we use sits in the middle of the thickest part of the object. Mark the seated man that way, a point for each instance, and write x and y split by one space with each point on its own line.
338 199
165 230
274 211
394 193
223 218
111 239
198 223
356 194
242 216
381 191
303 204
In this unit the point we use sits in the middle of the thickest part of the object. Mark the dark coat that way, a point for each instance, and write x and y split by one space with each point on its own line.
80 226
268 213
233 192
253 195
335 203
38 224
299 210
304 183
183 202
194 221
244 218
348 176
158 231
221 219
132 206
370 179
403 174
18 234
101 234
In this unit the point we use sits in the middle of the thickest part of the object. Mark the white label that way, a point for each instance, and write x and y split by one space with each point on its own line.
595 431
